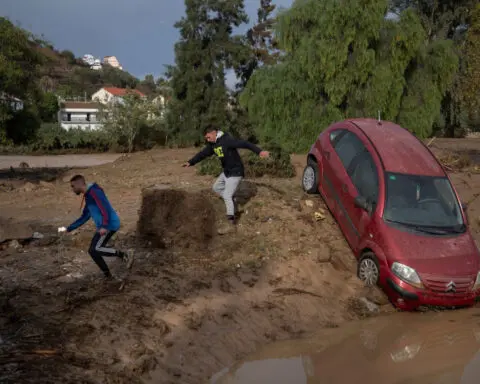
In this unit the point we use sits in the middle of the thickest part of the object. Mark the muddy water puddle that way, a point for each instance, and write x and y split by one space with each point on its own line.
413 348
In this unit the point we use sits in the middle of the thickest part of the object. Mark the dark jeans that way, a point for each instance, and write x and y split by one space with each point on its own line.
98 250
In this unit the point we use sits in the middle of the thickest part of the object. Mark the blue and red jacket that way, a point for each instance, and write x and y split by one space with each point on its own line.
99 209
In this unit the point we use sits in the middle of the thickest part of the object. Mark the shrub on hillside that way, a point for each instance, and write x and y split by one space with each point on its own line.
278 165
52 137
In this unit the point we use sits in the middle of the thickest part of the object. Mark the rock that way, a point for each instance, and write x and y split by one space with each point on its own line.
38 235
14 244
46 185
375 295
29 187
309 203
371 307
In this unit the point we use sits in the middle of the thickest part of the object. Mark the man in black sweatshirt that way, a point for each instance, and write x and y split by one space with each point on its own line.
225 148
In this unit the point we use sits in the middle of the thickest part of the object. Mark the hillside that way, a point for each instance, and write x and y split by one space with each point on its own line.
64 74
28 62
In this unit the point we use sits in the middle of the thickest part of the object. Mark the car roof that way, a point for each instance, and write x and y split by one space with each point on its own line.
399 150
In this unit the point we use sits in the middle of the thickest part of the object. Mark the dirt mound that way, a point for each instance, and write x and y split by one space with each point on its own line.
10 230
175 218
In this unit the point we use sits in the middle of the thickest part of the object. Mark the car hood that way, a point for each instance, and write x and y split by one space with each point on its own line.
437 255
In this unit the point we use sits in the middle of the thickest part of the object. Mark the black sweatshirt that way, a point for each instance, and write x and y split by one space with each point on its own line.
225 148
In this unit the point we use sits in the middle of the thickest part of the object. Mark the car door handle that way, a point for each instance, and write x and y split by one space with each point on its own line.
344 188
327 155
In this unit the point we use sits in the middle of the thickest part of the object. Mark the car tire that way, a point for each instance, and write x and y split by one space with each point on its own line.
310 178
368 269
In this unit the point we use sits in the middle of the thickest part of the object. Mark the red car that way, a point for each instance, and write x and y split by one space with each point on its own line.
399 212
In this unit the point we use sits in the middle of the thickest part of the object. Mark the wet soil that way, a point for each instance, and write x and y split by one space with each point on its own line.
182 314
406 348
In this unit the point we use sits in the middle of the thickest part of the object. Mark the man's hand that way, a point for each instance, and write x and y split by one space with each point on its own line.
102 231
186 165
264 154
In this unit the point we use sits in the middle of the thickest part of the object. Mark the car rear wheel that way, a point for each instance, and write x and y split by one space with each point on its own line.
368 269
310 178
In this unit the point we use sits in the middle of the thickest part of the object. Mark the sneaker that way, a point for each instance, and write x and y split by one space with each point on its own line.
129 258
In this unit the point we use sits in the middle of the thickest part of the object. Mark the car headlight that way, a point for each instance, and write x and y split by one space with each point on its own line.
477 282
407 274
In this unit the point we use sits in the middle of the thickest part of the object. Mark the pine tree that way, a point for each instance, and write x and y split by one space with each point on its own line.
262 44
206 49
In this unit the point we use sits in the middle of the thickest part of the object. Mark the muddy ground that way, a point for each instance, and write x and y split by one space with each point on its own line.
183 314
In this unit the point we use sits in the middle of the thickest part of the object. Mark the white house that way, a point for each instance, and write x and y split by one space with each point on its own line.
108 95
112 61
81 115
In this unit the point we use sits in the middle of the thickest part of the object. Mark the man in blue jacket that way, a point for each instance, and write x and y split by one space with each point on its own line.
106 220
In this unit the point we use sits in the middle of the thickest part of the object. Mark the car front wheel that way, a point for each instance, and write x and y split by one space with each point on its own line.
368 269
310 178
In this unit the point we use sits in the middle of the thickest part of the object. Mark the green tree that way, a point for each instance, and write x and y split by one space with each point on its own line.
69 56
446 19
348 61
48 107
469 83
19 63
262 44
127 119
441 19
206 49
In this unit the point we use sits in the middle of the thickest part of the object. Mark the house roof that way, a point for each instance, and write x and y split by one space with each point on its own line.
79 105
122 91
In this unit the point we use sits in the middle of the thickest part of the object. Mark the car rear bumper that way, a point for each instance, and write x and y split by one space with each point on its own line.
407 297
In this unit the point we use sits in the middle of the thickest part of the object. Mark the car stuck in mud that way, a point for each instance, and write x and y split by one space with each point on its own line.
399 212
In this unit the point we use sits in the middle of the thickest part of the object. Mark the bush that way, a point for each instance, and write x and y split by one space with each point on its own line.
52 137
278 165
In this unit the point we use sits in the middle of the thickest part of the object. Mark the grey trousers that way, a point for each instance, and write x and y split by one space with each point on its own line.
226 188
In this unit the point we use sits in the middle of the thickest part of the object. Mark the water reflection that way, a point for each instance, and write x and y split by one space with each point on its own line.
431 348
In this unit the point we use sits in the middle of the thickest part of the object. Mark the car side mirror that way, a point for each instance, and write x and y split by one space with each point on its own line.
362 203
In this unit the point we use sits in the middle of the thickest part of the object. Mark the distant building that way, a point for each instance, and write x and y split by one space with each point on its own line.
108 95
112 61
97 65
80 115
13 102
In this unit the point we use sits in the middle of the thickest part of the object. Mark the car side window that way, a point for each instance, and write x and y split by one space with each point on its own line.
364 176
348 145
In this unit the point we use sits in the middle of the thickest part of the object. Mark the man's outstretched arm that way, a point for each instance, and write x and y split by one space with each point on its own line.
80 221
244 144
202 155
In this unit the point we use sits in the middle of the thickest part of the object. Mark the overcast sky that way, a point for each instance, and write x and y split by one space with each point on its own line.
139 33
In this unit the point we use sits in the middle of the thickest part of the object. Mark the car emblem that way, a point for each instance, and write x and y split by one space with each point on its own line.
451 287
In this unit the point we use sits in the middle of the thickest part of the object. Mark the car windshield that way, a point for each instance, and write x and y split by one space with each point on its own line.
422 202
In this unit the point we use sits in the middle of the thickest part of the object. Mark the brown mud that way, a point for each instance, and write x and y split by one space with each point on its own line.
411 348
184 313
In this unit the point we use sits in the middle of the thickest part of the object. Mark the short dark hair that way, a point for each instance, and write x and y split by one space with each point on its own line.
77 178
209 128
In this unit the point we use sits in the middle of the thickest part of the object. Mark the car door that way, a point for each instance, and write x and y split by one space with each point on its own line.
345 146
363 174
